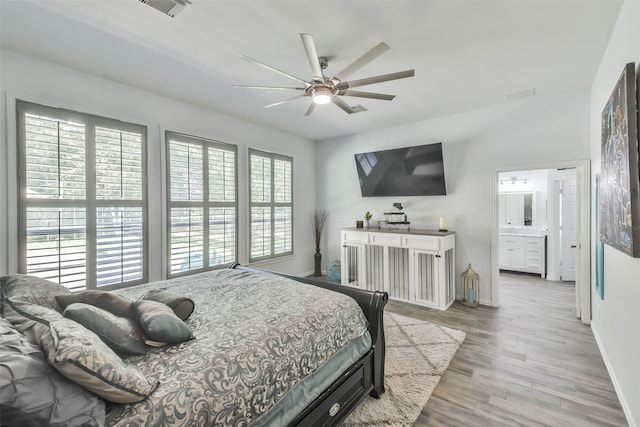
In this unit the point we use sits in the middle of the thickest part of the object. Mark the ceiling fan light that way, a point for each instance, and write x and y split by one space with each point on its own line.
322 99
322 95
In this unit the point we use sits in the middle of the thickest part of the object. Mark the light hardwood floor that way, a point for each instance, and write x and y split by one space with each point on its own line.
530 362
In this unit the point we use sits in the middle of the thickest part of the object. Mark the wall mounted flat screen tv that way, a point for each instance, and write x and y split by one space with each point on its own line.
410 171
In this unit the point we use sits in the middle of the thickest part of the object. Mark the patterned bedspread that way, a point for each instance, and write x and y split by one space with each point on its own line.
256 337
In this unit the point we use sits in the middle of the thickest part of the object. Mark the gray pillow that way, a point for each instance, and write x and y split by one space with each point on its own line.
110 301
160 323
119 333
79 354
32 393
32 289
181 306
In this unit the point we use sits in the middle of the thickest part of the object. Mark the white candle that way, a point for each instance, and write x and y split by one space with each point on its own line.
443 223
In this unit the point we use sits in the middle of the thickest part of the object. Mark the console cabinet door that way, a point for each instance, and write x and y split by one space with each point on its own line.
425 280
352 269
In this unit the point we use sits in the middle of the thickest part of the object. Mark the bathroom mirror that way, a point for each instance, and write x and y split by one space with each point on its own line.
515 209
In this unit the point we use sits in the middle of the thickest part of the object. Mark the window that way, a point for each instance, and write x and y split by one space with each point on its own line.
271 205
82 203
203 208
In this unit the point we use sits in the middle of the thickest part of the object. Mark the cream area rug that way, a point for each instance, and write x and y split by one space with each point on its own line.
417 354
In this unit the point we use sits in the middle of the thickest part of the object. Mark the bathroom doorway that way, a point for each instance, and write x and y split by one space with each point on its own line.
547 236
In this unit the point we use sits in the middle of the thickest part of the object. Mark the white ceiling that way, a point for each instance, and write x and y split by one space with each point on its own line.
466 54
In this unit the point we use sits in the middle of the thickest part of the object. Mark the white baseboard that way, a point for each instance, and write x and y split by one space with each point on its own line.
623 402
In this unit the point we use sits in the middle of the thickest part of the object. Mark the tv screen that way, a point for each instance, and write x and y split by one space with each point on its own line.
410 171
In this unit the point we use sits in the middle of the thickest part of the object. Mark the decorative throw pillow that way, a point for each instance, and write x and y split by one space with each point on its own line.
32 289
110 301
32 393
119 333
181 306
27 317
160 323
80 355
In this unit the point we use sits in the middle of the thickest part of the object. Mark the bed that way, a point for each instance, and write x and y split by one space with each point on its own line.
263 349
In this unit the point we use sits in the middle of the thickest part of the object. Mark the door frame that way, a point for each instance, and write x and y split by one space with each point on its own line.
583 232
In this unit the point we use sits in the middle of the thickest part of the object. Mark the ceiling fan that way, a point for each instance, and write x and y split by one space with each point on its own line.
323 90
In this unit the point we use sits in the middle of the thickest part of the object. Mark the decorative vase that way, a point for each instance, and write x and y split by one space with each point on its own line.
366 225
318 260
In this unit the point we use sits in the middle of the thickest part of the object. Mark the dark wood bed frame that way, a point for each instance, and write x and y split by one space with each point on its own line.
365 377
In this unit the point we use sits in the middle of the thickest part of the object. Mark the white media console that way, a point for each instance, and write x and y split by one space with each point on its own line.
417 266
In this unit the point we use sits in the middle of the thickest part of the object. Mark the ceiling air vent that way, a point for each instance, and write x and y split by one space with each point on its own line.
169 7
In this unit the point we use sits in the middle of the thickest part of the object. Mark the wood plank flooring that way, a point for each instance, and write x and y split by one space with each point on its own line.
530 362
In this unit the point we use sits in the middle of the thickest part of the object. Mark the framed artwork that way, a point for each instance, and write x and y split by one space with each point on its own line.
619 180
599 253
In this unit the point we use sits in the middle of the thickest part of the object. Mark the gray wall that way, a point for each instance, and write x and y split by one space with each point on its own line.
24 77
532 131
616 318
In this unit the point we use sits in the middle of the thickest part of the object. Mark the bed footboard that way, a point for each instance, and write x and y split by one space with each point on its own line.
372 304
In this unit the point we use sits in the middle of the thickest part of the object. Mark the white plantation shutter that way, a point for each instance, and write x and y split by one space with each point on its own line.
282 226
260 232
186 182
186 171
119 244
119 165
202 182
119 215
271 205
55 158
222 206
187 239
82 217
282 211
56 245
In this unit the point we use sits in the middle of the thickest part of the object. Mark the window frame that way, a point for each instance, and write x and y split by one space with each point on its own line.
206 144
90 203
272 204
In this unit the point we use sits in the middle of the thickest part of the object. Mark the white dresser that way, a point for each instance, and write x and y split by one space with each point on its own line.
416 266
521 252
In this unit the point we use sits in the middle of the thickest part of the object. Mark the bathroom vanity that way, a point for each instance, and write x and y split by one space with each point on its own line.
523 252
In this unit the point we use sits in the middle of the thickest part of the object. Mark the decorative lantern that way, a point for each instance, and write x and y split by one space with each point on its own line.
471 286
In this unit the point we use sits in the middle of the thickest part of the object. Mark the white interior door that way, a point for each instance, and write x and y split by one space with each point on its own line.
568 230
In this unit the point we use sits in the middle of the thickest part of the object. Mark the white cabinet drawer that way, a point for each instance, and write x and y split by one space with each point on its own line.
534 252
514 242
355 237
421 242
533 260
381 239
534 243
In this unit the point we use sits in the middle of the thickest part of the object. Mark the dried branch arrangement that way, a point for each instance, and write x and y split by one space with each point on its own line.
318 222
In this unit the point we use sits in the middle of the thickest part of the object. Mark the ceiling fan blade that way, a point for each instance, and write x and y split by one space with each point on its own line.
286 100
376 79
268 87
370 95
312 56
312 107
269 67
340 103
362 61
